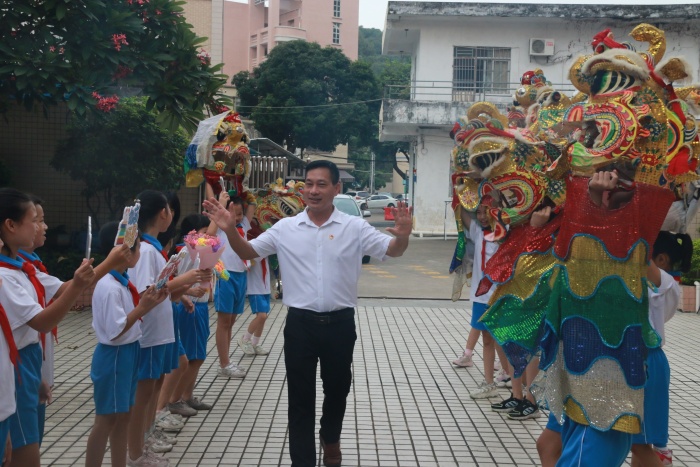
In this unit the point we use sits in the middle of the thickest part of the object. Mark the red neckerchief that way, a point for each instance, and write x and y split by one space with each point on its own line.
263 263
7 332
35 261
135 298
162 252
38 264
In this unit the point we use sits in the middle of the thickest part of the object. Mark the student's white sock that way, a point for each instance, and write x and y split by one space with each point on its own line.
468 352
247 336
255 340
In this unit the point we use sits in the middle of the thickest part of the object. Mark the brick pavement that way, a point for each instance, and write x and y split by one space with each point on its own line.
407 407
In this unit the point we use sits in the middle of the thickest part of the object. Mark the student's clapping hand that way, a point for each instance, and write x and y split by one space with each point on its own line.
120 255
196 292
84 275
152 297
403 221
218 214
201 276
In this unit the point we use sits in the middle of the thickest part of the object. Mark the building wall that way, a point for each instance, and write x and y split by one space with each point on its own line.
266 27
317 19
236 38
434 54
198 13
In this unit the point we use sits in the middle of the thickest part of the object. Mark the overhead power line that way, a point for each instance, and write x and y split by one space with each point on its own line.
306 106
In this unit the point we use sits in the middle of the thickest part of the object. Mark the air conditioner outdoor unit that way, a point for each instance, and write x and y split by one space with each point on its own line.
541 47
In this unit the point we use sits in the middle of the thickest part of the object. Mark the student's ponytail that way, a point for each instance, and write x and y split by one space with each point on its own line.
152 203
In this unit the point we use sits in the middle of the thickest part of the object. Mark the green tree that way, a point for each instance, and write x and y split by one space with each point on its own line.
85 51
119 154
304 96
393 76
389 70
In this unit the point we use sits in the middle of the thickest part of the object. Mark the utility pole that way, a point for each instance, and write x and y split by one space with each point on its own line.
371 176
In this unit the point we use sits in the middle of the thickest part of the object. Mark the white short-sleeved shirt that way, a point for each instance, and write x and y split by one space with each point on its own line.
663 303
111 303
7 380
184 266
321 265
257 285
21 304
476 233
157 327
231 260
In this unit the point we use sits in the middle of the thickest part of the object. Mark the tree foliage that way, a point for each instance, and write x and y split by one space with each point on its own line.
119 154
84 51
324 82
389 71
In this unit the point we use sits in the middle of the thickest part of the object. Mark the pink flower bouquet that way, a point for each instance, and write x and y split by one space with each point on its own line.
207 247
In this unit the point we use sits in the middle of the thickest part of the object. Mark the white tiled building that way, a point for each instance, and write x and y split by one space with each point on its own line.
466 52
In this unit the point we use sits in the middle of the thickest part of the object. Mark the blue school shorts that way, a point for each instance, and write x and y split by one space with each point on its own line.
114 374
194 331
24 424
259 303
656 410
41 420
174 349
478 310
4 430
553 424
230 295
152 361
586 446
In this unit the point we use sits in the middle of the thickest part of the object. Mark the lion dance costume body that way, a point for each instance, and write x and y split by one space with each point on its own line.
575 290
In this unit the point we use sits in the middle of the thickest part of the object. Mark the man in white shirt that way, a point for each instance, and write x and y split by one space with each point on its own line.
320 255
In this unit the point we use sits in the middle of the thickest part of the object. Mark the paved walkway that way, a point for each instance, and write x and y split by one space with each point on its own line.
408 405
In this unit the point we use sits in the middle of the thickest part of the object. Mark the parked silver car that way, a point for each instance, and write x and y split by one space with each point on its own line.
348 205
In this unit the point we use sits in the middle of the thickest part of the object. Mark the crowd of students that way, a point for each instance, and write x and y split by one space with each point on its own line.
151 343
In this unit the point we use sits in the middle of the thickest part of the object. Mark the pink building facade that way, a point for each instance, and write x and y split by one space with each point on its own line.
253 29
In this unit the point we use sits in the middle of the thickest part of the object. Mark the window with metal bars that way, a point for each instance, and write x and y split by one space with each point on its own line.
478 71
336 33
336 8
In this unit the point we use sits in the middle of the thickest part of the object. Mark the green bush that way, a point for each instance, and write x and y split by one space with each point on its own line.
693 275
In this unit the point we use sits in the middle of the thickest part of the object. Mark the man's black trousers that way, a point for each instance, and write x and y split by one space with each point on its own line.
310 337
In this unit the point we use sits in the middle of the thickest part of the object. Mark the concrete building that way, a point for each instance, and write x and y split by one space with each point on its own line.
462 53
252 29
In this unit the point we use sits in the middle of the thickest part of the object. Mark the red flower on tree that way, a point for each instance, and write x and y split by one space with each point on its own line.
105 104
118 40
122 72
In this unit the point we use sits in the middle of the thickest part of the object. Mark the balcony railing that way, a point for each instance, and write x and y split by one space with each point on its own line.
445 91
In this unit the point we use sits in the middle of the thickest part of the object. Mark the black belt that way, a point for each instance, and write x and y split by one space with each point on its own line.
326 317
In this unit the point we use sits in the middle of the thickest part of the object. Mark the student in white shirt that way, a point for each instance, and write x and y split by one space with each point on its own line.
312 247
671 255
116 313
8 353
229 296
259 299
157 327
25 295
